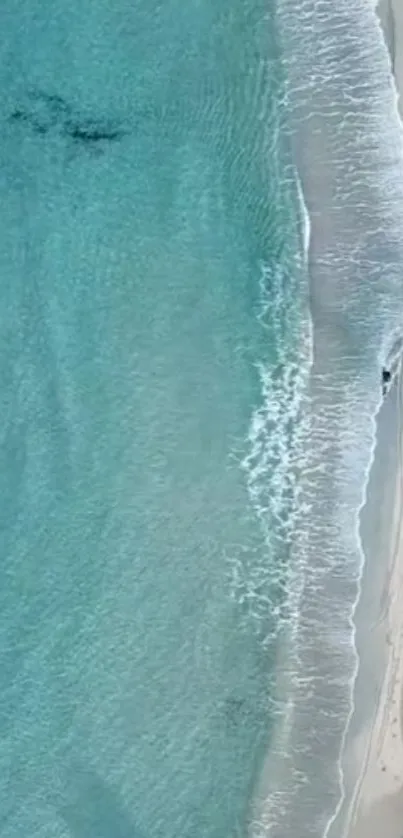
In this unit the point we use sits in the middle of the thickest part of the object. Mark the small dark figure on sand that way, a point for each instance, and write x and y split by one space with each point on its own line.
386 379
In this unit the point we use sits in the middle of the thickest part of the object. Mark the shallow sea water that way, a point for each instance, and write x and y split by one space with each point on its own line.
151 273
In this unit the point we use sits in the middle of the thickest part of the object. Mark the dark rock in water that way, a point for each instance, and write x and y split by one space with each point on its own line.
386 380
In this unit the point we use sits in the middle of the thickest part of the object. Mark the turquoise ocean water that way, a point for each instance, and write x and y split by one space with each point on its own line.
151 296
191 346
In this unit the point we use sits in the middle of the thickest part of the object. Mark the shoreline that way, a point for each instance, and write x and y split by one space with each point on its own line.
369 752
346 145
372 762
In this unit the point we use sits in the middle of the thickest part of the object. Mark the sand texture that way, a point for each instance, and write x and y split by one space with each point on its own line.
377 803
378 806
375 752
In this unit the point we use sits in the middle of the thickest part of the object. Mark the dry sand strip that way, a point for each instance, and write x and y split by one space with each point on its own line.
378 808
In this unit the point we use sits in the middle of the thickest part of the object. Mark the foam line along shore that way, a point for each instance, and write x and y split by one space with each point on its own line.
348 149
374 754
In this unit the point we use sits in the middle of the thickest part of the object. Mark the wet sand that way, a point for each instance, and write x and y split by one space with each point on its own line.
373 756
374 752
375 744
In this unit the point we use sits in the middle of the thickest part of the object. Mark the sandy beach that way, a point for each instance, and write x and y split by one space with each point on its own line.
374 750
374 754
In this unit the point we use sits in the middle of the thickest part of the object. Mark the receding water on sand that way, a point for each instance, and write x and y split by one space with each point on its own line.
348 151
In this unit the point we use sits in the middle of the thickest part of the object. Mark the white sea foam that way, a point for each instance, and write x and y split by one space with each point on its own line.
390 355
275 439
359 309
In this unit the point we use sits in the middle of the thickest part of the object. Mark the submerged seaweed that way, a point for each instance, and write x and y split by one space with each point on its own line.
45 113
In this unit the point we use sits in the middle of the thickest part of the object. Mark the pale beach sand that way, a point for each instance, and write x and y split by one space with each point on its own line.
373 757
373 807
375 752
